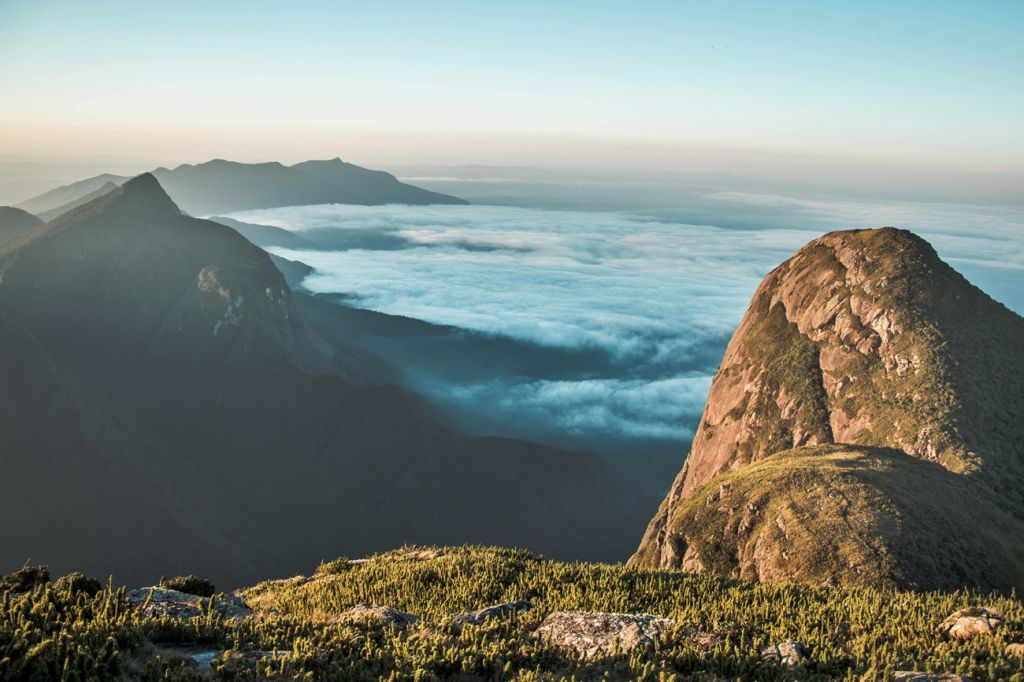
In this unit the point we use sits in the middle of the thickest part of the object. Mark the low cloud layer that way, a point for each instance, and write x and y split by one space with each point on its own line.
660 298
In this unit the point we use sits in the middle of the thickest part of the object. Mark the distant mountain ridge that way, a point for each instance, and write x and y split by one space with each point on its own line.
864 427
166 406
221 186
15 222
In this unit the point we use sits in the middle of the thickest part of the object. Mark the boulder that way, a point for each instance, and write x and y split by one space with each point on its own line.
1016 650
969 623
909 676
787 654
593 634
494 611
368 615
159 602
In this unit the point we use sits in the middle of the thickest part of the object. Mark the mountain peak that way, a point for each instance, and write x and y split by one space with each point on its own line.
865 339
144 192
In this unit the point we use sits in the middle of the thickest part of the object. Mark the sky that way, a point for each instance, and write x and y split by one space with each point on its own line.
780 87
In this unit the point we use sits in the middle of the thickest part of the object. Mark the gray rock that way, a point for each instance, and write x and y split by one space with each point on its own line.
368 615
787 654
495 611
908 676
159 602
969 623
593 634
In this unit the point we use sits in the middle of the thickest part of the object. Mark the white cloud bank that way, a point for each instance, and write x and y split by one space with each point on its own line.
649 292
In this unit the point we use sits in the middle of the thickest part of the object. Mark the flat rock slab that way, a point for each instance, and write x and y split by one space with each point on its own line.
496 611
368 615
593 634
908 676
160 602
969 623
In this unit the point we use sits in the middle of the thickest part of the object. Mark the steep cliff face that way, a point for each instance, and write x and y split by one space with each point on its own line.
864 338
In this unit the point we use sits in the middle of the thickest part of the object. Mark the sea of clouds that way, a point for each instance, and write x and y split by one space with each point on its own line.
657 298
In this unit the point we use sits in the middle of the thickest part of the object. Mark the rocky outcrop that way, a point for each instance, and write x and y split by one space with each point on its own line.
160 602
594 634
367 615
969 623
866 342
910 676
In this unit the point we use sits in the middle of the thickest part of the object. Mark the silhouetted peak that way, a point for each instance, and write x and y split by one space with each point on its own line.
145 192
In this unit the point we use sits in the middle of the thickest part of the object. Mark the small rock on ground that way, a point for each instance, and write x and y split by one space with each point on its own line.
366 614
788 654
969 623
592 634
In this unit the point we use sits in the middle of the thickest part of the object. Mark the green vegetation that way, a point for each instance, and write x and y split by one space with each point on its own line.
855 516
75 583
862 633
189 584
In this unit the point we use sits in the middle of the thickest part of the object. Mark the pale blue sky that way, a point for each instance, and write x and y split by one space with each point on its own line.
931 85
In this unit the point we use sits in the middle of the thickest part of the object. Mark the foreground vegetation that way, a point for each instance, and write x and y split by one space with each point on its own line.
60 632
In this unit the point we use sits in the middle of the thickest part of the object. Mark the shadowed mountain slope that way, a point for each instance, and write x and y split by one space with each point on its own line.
15 222
864 338
71 192
164 356
95 194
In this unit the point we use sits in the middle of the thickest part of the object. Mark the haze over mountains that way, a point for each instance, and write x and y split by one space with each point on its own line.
194 414
859 431
220 186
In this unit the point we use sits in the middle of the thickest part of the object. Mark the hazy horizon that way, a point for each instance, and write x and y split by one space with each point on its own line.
914 95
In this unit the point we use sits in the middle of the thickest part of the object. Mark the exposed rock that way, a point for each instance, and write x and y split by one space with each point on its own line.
496 611
593 634
863 339
1015 649
160 602
375 616
908 676
969 623
787 654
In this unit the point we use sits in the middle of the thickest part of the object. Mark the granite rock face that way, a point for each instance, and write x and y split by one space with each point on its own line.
863 342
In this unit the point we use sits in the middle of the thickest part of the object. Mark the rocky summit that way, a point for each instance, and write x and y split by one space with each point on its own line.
863 428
